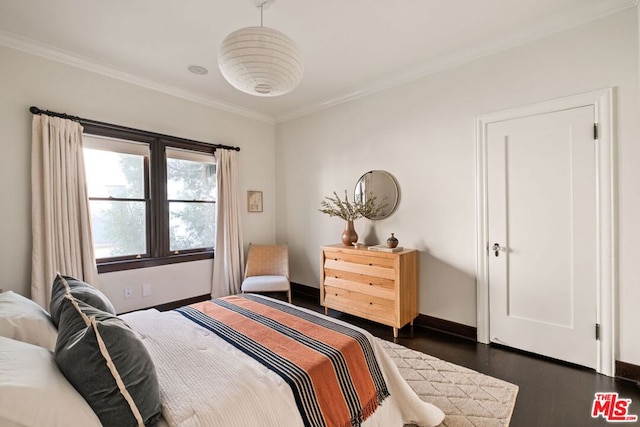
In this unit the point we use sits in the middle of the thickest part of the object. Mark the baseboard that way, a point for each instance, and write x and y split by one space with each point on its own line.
177 304
627 371
304 290
172 305
447 326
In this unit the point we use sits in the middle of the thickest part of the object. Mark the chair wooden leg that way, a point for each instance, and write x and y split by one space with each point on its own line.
289 295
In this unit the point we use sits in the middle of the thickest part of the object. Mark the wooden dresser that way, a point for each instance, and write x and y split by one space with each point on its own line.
379 286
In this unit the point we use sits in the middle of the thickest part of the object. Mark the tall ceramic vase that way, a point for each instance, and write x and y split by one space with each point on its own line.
349 235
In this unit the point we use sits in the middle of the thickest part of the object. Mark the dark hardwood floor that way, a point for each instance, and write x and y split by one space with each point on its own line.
550 393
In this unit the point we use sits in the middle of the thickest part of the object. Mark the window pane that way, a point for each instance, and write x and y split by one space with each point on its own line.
111 174
119 228
191 225
190 180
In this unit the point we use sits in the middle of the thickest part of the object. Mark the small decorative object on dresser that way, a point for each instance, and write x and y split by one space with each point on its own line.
376 285
350 211
392 242
349 235
385 248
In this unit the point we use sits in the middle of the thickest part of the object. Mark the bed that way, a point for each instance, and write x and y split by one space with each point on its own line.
244 360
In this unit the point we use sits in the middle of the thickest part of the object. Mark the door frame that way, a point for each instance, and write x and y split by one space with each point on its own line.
606 257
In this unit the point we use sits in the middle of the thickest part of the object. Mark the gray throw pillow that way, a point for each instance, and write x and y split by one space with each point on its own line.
108 364
80 290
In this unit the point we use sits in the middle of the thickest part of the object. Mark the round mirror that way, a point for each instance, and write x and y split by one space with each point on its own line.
381 185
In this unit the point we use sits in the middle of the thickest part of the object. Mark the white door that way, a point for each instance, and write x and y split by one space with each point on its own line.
541 206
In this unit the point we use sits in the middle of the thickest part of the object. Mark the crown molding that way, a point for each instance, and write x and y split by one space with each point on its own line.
32 47
460 58
17 42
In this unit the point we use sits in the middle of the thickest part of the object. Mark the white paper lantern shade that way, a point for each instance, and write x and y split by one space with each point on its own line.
260 61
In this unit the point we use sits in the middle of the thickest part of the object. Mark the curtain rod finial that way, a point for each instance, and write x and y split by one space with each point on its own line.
34 110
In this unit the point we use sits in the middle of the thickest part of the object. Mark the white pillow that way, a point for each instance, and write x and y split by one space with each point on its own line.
33 392
24 320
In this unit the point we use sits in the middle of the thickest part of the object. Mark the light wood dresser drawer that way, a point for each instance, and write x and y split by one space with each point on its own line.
378 286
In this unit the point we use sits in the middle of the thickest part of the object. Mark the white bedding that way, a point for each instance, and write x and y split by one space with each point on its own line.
205 381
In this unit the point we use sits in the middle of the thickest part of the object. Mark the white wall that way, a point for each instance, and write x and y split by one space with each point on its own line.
172 282
423 133
27 80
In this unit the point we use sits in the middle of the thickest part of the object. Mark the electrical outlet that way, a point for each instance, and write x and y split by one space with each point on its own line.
146 290
128 293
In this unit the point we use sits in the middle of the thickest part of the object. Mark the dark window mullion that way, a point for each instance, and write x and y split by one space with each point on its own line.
159 204
148 204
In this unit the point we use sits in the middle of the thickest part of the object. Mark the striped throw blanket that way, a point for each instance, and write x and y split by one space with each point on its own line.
331 369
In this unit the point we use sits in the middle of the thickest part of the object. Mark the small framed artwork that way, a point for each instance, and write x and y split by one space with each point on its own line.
254 201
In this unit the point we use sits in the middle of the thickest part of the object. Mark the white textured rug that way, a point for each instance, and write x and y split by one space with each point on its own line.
467 397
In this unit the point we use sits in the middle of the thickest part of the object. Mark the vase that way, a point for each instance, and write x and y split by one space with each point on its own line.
349 235
392 242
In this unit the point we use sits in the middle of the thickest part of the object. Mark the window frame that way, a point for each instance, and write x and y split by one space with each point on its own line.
108 147
158 244
188 155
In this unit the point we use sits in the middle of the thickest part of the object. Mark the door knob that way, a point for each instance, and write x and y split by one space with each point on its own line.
496 248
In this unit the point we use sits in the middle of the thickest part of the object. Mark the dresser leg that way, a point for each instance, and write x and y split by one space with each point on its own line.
395 332
326 311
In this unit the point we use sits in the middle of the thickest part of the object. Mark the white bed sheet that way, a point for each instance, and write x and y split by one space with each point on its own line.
205 381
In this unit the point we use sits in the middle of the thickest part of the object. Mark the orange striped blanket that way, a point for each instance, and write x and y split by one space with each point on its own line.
331 369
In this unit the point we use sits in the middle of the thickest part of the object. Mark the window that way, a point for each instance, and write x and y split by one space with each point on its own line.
152 199
117 184
191 189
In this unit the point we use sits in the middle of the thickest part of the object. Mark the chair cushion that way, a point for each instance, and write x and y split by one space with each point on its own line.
265 284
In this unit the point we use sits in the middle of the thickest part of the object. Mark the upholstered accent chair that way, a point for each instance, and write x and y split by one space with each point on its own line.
267 269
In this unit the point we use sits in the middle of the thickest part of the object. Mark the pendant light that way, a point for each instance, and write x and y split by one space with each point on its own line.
260 61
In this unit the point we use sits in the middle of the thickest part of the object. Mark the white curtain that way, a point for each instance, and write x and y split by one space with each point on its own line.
61 222
228 264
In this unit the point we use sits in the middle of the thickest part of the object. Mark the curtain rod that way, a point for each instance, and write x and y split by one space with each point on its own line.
36 110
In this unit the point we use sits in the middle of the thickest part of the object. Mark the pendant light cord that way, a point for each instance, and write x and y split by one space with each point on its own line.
261 7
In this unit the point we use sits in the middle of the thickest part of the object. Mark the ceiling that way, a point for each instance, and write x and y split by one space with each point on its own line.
350 47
